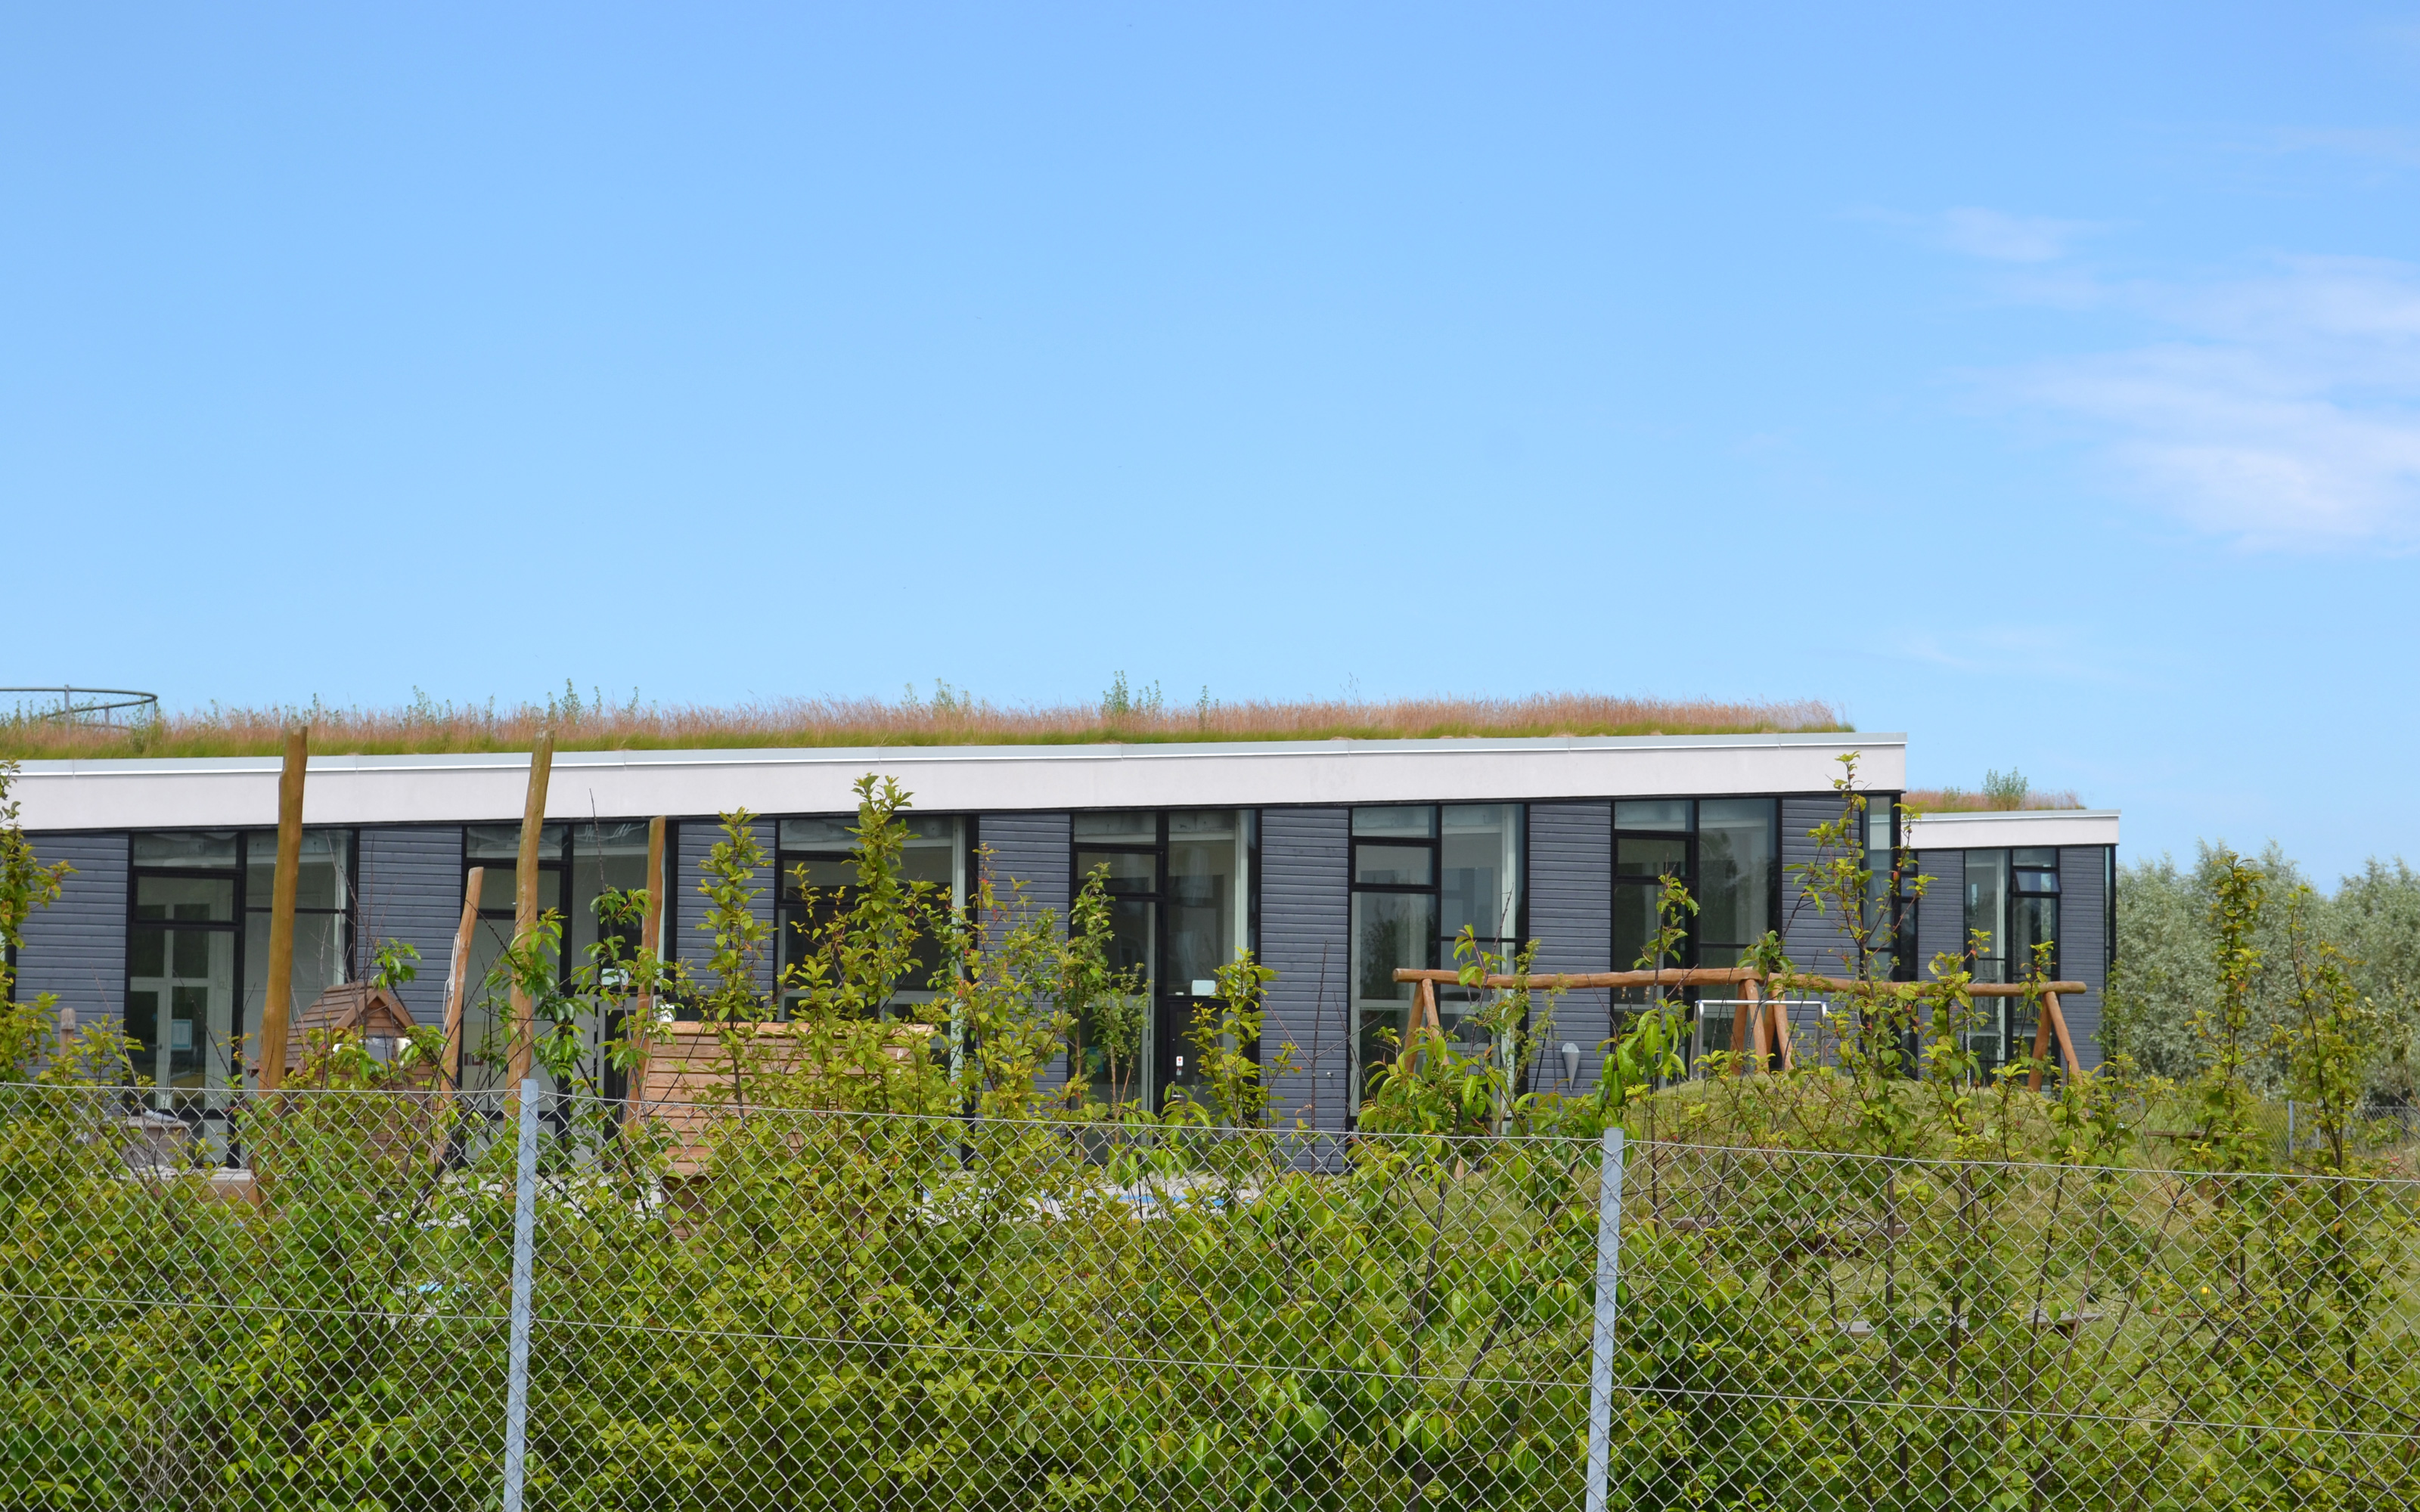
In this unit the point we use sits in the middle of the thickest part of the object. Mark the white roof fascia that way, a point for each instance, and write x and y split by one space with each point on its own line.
230 792
2002 828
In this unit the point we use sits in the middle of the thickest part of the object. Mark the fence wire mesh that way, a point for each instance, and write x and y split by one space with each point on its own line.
776 1308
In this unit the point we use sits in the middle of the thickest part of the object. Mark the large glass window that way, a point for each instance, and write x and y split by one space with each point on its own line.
323 899
1422 874
1725 850
1180 885
1891 872
1736 839
198 950
1987 914
2011 907
487 1010
2033 911
576 864
821 853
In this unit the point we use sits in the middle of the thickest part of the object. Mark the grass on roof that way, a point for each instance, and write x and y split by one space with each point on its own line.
951 718
1959 800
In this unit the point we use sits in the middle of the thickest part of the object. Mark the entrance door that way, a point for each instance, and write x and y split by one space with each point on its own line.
180 987
1178 884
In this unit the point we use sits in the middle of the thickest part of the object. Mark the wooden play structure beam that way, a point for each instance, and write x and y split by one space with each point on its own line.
1765 1020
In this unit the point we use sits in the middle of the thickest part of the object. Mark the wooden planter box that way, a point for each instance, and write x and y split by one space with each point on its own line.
687 1085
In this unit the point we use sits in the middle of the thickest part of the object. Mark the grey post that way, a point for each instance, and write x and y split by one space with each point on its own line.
1608 1275
524 1247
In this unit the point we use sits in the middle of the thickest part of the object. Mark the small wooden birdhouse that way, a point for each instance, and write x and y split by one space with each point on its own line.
371 1011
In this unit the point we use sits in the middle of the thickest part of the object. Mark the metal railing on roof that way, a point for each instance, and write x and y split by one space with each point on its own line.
70 704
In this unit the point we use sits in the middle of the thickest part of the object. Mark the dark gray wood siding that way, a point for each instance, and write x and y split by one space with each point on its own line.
1814 938
2084 943
76 947
1941 917
1571 917
695 840
1305 922
411 890
1031 848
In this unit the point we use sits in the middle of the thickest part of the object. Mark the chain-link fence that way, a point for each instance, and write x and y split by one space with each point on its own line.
419 1300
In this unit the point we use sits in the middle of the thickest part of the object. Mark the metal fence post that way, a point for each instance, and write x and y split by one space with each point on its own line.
1608 1275
524 1247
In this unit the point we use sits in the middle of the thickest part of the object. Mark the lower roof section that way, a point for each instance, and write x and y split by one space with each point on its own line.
232 791
2011 828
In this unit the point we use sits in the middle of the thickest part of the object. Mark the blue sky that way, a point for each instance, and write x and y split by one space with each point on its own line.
2044 384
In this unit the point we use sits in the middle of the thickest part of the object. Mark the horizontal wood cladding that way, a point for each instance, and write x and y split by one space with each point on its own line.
1305 922
694 946
1571 917
1814 937
1941 917
411 890
1030 848
2084 943
76 947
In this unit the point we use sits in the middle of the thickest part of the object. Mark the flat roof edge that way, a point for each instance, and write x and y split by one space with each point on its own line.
862 755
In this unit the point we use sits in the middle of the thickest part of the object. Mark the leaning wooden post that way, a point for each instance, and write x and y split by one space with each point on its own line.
2058 1026
277 1003
2043 1012
1779 1016
1424 1018
525 905
651 933
458 979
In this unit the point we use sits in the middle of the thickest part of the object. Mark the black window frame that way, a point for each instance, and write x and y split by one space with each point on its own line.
1171 1011
785 907
1694 942
1439 943
239 924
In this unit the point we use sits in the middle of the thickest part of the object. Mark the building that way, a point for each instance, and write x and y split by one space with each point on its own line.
1334 861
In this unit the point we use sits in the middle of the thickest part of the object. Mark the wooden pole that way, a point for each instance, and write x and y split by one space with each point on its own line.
458 979
1749 1028
525 877
277 1002
651 933
1739 1033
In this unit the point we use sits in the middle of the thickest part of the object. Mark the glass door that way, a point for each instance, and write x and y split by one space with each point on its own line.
181 970
1203 919
1116 1044
1179 888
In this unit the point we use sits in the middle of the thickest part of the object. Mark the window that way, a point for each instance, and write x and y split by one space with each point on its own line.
2033 912
1180 887
1422 874
323 898
199 926
576 863
822 852
1892 871
2011 907
1723 850
487 1011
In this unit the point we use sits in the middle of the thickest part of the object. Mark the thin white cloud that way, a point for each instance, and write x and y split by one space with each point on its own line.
2000 236
2284 410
